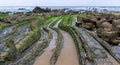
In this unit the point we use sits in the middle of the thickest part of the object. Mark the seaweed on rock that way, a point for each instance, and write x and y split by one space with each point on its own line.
28 40
36 50
57 50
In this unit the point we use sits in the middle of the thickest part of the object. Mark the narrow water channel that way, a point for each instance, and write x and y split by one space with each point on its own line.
44 59
68 55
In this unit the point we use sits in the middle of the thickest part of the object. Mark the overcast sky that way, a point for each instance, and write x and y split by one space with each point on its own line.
59 2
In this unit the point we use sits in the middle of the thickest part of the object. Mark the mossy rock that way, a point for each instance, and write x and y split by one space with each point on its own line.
2 62
9 51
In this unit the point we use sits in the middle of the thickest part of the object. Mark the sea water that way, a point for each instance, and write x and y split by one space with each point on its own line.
30 8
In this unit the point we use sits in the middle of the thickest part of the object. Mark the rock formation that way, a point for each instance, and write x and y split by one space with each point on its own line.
107 26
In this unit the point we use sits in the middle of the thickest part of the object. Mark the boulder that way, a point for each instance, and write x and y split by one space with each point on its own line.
37 10
40 10
99 22
87 25
84 19
106 26
108 35
116 25
115 41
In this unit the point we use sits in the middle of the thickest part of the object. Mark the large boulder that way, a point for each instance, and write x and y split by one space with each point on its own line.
116 25
107 35
37 10
106 26
99 22
87 25
40 10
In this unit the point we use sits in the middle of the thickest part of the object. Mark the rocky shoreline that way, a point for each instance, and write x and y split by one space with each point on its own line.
28 30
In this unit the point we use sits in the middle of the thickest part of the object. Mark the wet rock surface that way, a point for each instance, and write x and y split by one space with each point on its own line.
116 51
107 26
33 39
97 52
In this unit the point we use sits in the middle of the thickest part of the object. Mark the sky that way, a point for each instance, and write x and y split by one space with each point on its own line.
59 2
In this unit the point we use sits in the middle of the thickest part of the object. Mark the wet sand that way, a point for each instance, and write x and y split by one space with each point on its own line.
44 59
68 55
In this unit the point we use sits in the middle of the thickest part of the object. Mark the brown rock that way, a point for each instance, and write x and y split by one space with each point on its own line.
108 35
88 25
115 41
98 23
116 25
106 26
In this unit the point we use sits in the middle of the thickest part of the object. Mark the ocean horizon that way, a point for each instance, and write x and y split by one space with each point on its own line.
30 8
